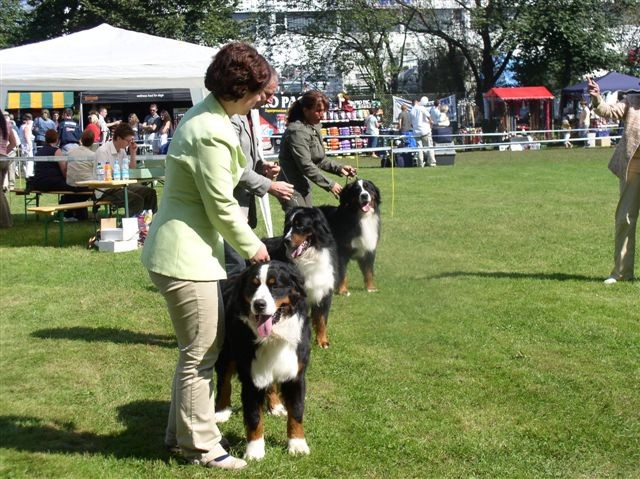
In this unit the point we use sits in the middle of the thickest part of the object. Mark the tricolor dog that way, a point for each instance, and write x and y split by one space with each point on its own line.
267 343
355 225
309 244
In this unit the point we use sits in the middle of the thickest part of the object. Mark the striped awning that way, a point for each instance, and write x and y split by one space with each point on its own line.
39 99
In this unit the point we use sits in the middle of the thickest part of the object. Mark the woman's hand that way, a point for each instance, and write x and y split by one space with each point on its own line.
348 170
336 189
261 256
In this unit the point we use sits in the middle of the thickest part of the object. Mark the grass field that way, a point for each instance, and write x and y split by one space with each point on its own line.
492 349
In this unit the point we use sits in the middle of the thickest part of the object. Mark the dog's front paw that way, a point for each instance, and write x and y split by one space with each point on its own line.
278 410
298 445
223 415
255 450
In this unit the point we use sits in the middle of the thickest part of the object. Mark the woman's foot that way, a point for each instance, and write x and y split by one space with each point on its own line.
227 461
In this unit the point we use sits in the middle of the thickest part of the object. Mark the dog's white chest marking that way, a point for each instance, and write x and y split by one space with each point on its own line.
317 269
275 361
368 239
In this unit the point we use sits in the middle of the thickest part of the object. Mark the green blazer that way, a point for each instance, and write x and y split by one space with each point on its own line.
203 165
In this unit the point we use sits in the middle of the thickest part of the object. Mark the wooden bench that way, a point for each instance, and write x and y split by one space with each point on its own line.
33 196
56 212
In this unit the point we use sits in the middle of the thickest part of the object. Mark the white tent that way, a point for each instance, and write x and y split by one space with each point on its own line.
108 58
105 58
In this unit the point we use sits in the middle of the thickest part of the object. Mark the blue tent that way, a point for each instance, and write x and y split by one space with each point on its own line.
612 81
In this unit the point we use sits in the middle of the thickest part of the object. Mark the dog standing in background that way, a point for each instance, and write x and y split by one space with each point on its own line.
355 224
309 244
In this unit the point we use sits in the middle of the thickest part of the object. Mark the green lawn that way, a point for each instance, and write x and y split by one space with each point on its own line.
492 349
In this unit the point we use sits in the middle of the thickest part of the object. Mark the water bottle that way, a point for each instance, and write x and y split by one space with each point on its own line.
124 170
99 171
108 176
116 170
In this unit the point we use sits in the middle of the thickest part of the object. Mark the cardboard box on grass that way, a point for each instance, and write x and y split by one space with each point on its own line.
117 240
109 232
118 246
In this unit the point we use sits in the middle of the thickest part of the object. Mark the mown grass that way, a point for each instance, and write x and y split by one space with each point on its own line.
492 349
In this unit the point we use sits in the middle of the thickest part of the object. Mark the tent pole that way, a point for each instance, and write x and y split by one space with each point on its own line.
81 113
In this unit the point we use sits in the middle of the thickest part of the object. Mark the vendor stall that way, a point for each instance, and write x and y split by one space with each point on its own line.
520 108
611 83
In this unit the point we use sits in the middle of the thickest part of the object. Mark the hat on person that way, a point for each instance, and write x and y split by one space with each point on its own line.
424 101
5 113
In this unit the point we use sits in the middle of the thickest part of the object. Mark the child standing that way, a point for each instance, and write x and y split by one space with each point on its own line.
567 133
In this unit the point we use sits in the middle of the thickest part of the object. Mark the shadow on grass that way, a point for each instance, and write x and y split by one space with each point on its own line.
143 437
31 233
515 275
114 335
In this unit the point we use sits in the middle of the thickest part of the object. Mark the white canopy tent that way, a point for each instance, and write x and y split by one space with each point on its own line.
109 58
105 58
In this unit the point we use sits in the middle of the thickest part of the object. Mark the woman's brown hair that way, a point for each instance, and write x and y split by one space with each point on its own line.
310 101
235 70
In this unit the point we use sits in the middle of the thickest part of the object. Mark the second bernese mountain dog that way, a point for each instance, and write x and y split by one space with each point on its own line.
268 343
355 224
309 244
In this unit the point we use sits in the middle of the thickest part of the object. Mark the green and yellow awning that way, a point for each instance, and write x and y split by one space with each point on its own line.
39 99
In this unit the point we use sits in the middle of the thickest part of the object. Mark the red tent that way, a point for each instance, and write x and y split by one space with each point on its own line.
521 108
520 93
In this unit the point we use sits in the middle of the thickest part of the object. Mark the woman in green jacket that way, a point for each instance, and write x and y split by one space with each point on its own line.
302 156
184 250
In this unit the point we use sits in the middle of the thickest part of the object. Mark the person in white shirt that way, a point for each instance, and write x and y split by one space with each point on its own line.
434 112
372 129
584 120
83 168
141 197
421 122
105 127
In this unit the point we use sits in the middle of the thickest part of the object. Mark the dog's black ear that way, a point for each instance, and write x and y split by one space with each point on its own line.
320 225
344 194
289 214
233 288
376 191
297 280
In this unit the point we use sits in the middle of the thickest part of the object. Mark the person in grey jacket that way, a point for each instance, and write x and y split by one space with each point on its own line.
302 156
258 176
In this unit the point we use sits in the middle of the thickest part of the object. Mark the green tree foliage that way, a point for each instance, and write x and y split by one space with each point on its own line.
347 34
207 23
561 40
12 20
547 42
482 31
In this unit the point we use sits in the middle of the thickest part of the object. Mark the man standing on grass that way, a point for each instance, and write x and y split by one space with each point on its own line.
258 177
421 122
625 164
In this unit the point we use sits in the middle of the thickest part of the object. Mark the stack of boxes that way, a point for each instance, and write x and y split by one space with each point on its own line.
118 240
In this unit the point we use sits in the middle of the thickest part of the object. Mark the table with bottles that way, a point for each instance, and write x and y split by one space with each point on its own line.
104 185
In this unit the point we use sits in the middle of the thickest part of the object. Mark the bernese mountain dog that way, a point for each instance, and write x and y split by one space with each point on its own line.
355 225
309 244
267 343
